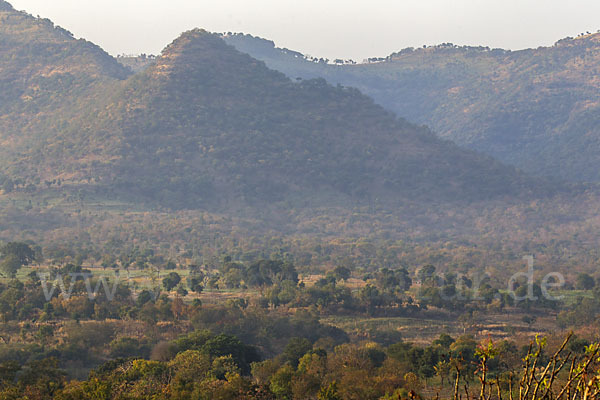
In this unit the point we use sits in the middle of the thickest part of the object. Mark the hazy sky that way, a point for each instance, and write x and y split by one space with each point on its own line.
324 28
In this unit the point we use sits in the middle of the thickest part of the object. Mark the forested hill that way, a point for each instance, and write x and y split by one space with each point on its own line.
538 109
47 78
207 124
41 62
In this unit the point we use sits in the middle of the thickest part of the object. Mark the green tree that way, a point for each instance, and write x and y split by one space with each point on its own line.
342 273
10 265
24 254
444 341
330 392
585 282
171 281
227 345
15 255
195 284
144 297
426 273
295 349
281 382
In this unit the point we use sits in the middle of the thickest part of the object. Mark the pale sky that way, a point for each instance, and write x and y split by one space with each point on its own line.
323 28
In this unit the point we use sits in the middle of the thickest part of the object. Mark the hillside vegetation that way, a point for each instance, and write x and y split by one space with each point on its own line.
198 226
537 109
47 78
240 151
206 126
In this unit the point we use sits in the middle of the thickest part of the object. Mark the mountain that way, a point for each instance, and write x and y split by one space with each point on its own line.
538 109
205 142
204 125
207 124
47 78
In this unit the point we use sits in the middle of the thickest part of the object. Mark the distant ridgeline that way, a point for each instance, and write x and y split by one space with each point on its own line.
205 125
537 109
137 63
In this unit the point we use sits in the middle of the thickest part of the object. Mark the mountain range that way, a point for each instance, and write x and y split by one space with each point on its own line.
207 126
536 109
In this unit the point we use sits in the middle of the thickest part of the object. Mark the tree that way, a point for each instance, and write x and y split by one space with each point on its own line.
444 341
24 254
394 280
330 392
227 345
426 273
195 284
371 297
442 369
295 349
10 266
171 281
281 382
342 273
413 383
144 297
188 367
108 261
15 255
585 282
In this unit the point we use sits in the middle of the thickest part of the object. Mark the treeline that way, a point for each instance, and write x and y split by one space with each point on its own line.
276 284
265 283
203 365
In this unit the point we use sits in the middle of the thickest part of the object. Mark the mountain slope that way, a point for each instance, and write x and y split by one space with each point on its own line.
207 124
536 109
47 78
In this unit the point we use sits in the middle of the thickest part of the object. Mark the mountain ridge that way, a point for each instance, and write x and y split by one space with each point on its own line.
209 142
180 68
207 125
47 79
534 108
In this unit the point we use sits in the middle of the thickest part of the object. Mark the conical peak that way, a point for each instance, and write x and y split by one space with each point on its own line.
196 39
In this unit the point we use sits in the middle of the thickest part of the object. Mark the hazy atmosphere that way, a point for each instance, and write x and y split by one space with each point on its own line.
332 28
307 200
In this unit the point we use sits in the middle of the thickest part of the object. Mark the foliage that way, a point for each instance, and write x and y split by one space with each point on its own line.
220 126
534 108
171 281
